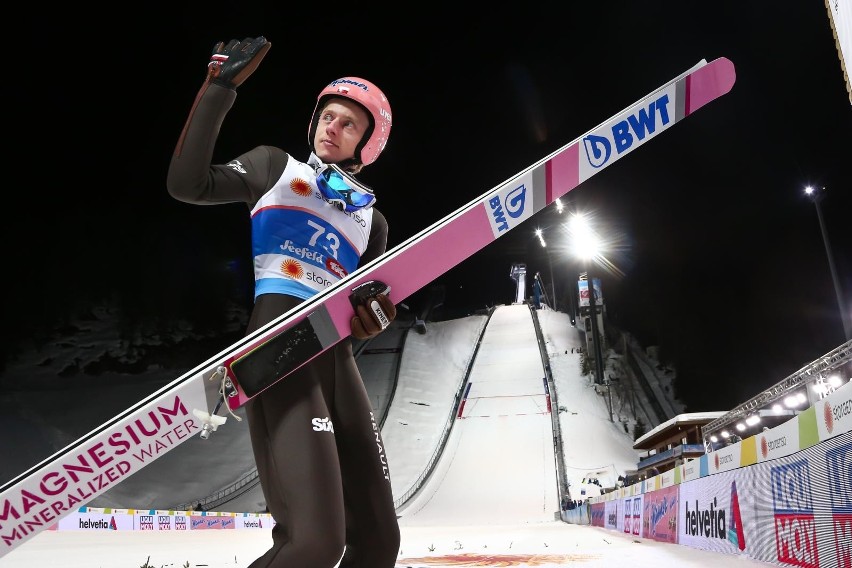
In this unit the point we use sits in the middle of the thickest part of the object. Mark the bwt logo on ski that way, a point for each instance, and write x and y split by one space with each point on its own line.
795 526
623 135
511 206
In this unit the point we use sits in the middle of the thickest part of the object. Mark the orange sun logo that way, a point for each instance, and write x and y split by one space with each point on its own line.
300 187
292 269
828 416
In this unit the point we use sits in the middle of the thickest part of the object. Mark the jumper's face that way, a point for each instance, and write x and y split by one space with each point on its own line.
342 124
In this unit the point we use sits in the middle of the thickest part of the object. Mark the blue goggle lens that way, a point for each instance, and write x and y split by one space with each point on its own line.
343 190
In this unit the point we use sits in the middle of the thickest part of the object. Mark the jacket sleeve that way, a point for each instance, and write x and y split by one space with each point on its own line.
193 178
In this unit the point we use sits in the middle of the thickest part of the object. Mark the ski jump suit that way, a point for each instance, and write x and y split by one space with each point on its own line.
316 442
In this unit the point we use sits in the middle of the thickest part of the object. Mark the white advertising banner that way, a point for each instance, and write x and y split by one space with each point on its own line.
118 450
804 507
632 516
840 17
715 511
253 521
667 478
611 520
154 520
99 520
834 413
778 442
690 471
724 459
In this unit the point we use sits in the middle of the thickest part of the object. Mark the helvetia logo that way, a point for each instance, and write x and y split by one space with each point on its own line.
708 523
716 461
292 269
300 187
99 524
764 447
735 530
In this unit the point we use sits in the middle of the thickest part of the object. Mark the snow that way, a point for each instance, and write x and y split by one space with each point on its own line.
491 501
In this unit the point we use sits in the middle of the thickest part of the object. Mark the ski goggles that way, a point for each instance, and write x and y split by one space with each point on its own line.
343 190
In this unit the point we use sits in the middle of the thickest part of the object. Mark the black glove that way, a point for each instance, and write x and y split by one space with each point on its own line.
372 317
232 64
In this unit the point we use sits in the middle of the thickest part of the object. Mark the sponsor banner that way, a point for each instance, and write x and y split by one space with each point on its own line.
631 521
625 133
89 518
160 520
180 521
583 291
667 479
513 204
803 506
691 470
103 461
611 515
652 483
715 511
748 452
724 459
834 413
211 522
659 515
98 520
253 522
596 514
704 465
779 441
840 18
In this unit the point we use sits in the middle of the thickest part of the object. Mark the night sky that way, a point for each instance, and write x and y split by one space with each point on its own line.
720 257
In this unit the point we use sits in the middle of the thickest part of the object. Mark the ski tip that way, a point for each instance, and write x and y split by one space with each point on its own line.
726 74
709 83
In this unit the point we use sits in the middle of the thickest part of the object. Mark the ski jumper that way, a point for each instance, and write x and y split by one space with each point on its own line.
317 446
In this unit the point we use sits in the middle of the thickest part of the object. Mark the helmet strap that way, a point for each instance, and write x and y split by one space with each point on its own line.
348 163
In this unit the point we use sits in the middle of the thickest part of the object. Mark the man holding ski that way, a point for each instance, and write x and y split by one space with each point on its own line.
314 434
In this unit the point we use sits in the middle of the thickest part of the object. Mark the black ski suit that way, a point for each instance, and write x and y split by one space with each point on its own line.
316 442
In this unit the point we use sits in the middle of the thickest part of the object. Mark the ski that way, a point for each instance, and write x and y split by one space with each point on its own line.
190 405
296 338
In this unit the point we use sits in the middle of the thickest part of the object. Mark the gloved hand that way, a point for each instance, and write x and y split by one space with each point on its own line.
372 317
231 64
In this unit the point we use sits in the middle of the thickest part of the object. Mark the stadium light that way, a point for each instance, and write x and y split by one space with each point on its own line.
817 195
